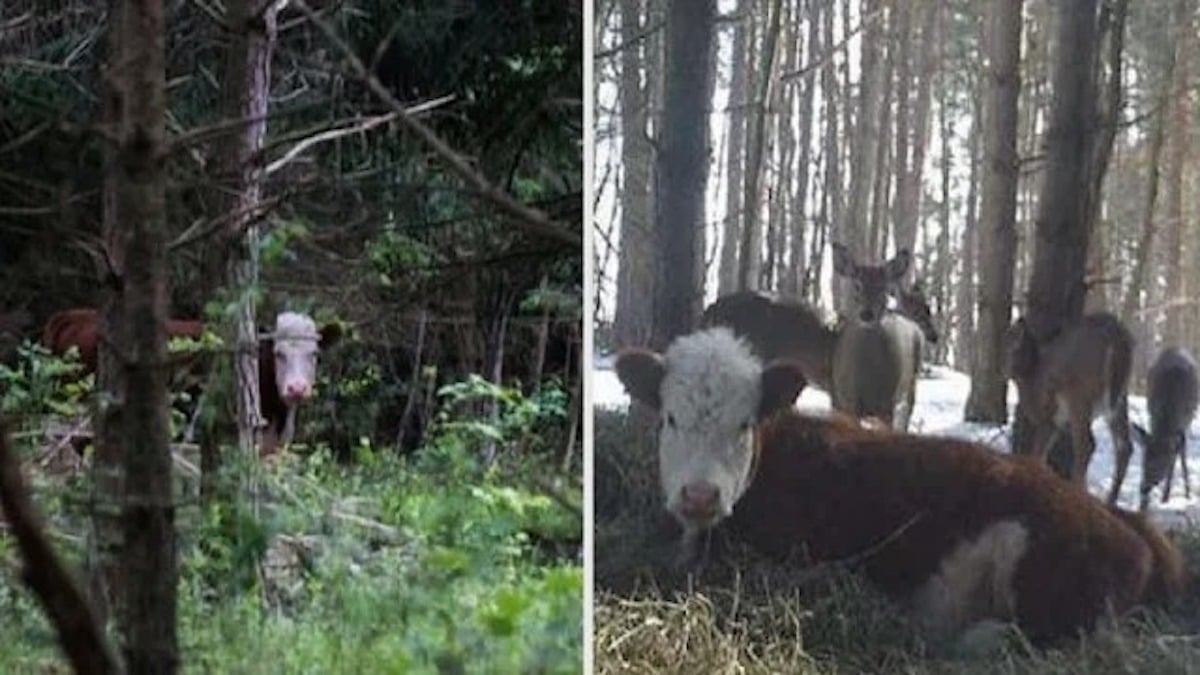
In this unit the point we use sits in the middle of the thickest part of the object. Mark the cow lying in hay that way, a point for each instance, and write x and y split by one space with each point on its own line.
969 538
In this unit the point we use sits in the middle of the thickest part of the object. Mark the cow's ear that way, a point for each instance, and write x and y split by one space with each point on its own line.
331 333
782 382
642 371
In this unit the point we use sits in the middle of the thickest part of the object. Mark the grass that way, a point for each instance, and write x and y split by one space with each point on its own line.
428 563
749 614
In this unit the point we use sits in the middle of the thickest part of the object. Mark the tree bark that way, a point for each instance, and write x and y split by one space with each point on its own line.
148 560
1056 289
997 212
910 173
246 94
852 229
633 315
682 165
794 284
750 250
1177 165
1144 252
727 271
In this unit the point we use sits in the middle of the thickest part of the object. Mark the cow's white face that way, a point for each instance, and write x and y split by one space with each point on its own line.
710 391
297 343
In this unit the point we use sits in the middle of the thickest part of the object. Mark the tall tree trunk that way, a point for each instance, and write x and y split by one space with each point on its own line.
632 317
830 214
246 95
682 164
1113 15
794 285
877 225
1178 159
148 560
1056 290
902 46
1056 287
997 212
750 251
910 174
852 227
1143 254
964 303
727 271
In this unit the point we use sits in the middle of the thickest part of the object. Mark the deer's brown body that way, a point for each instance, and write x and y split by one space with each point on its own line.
1067 381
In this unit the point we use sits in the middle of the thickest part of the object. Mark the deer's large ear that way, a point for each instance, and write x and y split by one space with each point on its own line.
843 262
642 371
897 267
782 382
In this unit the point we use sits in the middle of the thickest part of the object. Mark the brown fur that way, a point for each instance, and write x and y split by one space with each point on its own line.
833 490
81 328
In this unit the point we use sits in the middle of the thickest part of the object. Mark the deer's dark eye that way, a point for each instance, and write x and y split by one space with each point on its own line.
670 420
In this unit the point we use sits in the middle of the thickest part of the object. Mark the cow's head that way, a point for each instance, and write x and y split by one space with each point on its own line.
710 392
296 345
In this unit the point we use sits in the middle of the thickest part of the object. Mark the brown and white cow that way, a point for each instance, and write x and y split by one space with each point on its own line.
287 360
968 538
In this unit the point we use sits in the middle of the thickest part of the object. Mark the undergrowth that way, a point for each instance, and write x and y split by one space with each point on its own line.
748 614
432 562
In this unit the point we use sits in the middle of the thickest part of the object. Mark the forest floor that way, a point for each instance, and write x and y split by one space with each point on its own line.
428 563
749 614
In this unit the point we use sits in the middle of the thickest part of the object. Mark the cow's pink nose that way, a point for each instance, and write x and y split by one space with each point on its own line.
295 390
699 501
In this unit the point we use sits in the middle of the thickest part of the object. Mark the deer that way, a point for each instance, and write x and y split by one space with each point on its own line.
776 326
1173 393
1080 373
966 538
877 357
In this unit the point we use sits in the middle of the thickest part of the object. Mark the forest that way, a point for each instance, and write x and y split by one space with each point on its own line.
1005 194
291 333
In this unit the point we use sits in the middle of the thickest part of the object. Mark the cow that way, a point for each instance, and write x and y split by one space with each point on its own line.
287 359
969 539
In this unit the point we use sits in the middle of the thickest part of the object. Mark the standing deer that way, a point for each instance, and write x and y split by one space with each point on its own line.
1173 395
1080 373
878 354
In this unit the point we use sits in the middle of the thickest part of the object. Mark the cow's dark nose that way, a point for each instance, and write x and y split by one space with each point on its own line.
698 501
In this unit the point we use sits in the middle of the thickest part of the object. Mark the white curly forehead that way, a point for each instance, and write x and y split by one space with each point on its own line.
294 326
711 373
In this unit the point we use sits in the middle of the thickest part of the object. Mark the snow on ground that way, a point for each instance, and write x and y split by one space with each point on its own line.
941 396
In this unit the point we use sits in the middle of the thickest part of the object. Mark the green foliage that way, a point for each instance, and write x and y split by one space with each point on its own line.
517 418
409 564
40 383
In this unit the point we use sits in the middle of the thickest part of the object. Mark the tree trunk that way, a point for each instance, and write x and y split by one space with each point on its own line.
727 271
750 250
1143 254
910 173
633 315
794 284
964 303
246 96
997 212
880 195
682 165
852 227
148 559
1056 287
1056 290
1178 159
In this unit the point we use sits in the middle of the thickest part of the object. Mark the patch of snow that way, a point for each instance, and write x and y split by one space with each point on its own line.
941 398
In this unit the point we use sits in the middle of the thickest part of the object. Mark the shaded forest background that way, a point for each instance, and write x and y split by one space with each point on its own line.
865 123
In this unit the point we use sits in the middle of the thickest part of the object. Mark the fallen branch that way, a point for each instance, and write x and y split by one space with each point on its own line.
70 611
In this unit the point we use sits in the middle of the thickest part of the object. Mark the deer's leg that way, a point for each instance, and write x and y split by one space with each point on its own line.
1082 446
1187 483
1118 427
